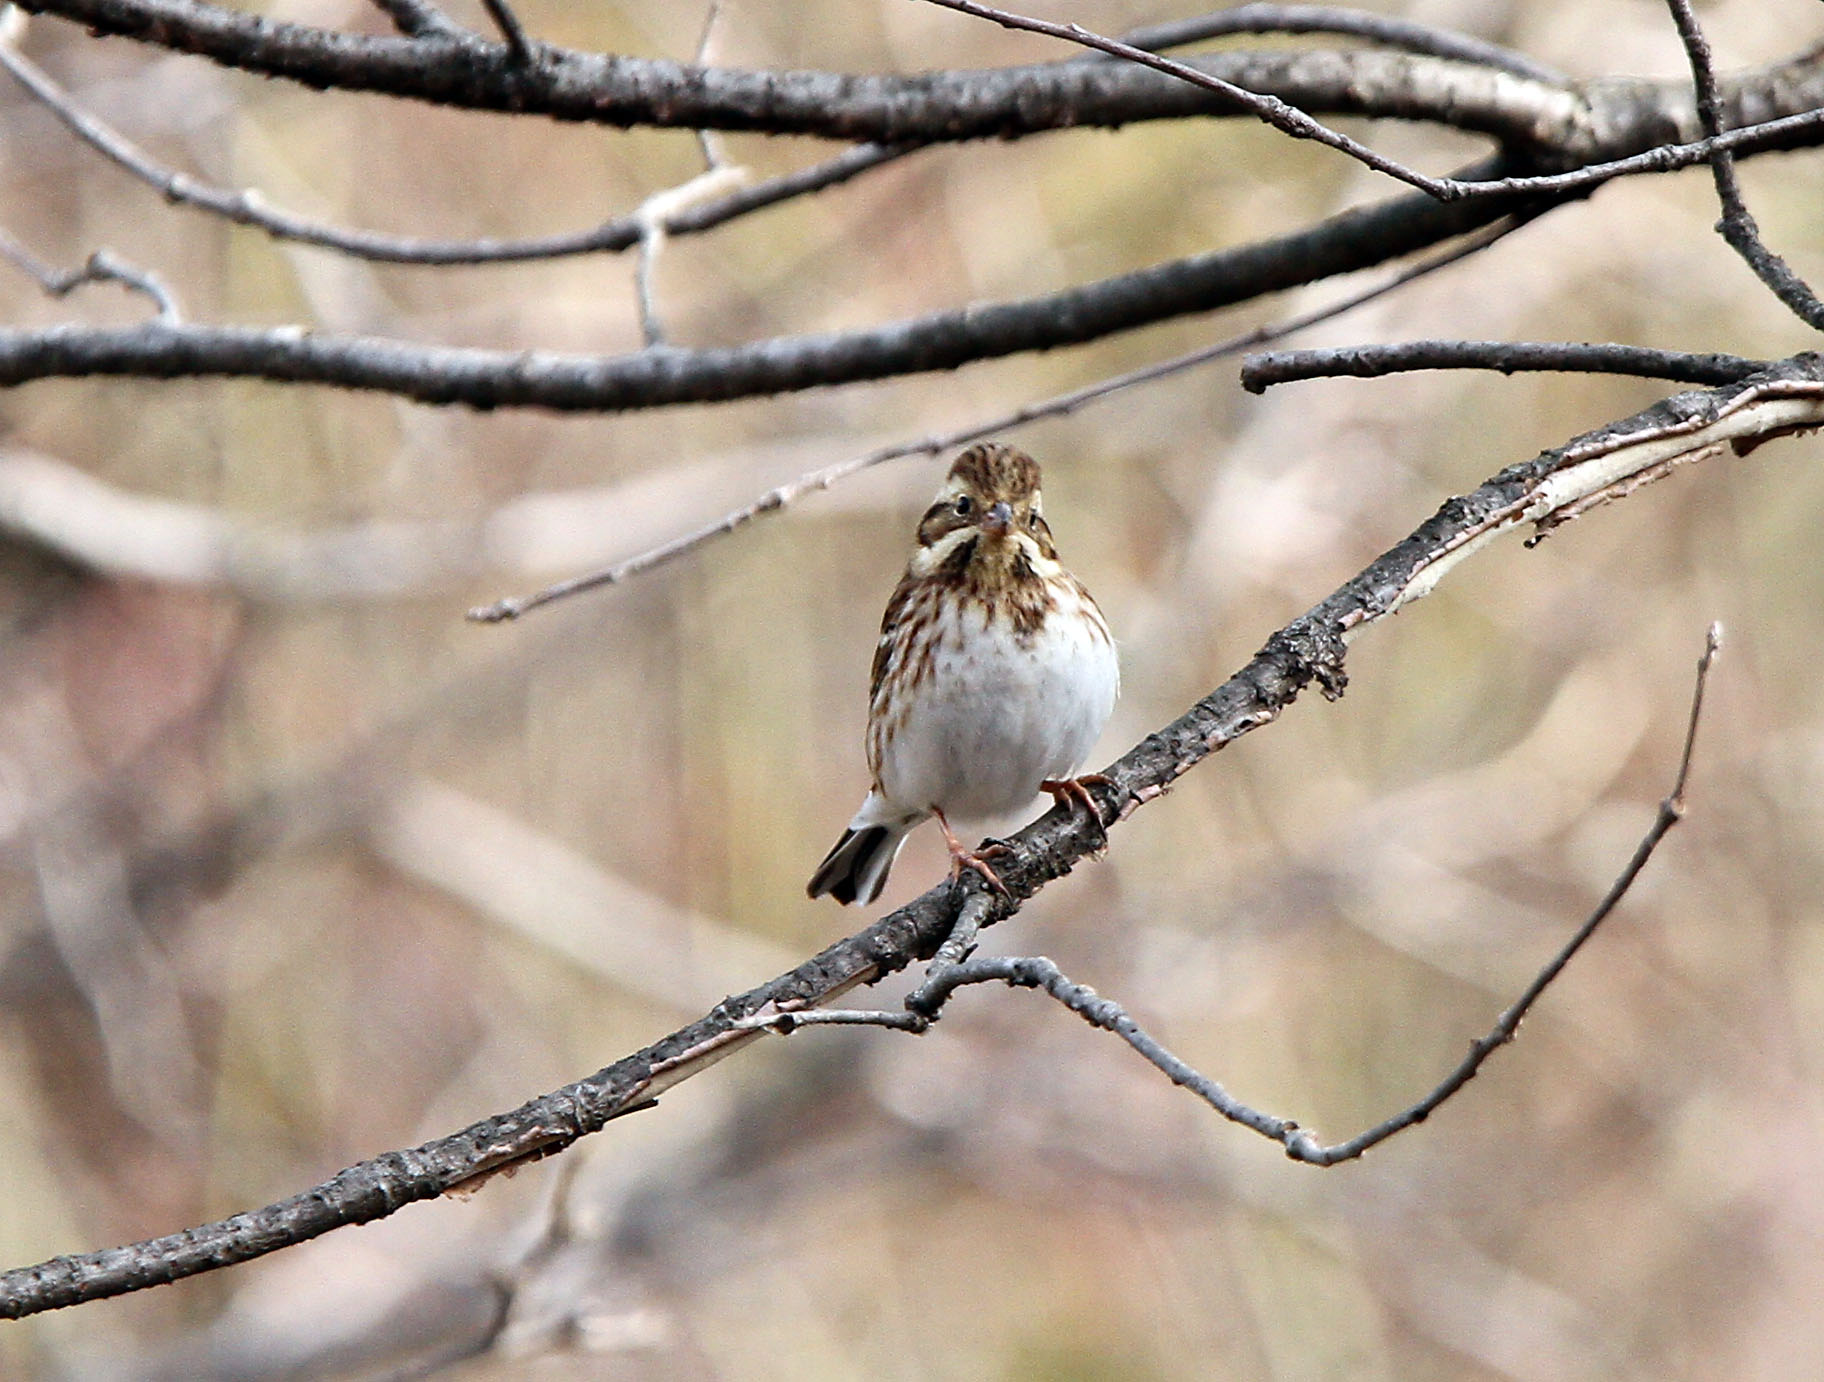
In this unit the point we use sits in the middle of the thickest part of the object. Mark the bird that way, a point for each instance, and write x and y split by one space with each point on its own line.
994 676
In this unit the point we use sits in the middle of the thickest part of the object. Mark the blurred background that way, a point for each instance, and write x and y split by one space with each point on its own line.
296 866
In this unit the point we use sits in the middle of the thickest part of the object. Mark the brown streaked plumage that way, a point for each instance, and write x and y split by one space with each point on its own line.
993 675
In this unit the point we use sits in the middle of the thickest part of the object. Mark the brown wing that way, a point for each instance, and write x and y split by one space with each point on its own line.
898 604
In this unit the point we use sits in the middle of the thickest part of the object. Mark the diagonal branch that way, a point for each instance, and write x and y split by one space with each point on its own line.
1589 470
1737 225
419 19
923 1005
776 499
662 376
1286 118
246 207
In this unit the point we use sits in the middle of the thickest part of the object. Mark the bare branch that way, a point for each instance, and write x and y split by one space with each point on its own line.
936 106
1261 372
665 375
102 266
1035 971
518 45
654 214
1304 1148
1783 400
420 19
1737 226
1388 30
1288 119
778 498
714 155
249 208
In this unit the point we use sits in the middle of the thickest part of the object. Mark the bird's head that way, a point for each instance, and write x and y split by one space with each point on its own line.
987 511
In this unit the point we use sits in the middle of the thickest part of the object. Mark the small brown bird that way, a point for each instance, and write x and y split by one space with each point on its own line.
994 674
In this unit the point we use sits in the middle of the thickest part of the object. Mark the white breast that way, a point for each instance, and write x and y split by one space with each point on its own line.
999 714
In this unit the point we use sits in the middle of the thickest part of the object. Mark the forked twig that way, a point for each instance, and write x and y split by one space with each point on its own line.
102 266
1737 225
1286 118
1310 651
511 30
946 975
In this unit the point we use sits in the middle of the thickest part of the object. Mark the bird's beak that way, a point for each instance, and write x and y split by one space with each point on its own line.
998 521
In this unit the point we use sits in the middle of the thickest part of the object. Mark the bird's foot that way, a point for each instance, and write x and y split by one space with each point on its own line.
1076 790
962 857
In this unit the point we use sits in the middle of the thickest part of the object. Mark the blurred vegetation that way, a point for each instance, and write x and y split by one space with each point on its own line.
277 890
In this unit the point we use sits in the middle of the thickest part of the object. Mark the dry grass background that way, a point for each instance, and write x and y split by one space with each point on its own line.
287 882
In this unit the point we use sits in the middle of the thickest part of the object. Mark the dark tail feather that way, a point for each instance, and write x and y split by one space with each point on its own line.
856 870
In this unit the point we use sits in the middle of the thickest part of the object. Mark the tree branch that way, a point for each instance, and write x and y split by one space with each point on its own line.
661 376
1590 469
1737 226
1523 113
1261 372
511 30
419 19
952 972
102 266
1390 31
1286 118
249 208
776 499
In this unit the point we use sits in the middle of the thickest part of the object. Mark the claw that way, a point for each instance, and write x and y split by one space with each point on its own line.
1076 790
962 857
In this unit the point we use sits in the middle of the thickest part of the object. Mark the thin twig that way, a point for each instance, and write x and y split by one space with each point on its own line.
102 266
1737 225
519 47
420 19
654 214
681 215
714 156
1310 650
957 946
1261 372
1662 158
1288 119
776 499
1034 971
1388 31
1305 1148
249 208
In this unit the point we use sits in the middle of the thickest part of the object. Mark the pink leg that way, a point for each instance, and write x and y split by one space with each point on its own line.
961 856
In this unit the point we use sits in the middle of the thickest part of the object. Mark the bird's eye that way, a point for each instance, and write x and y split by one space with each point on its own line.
963 506
1032 520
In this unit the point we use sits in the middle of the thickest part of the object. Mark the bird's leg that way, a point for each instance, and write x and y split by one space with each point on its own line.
961 856
1076 789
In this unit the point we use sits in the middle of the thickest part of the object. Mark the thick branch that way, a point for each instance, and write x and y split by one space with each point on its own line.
1559 483
1577 125
665 375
